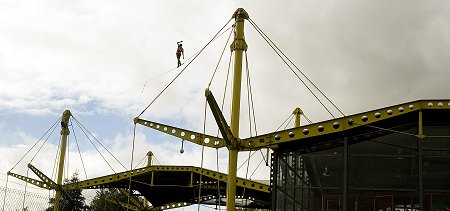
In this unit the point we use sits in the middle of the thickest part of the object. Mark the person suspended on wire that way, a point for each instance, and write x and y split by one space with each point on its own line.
180 51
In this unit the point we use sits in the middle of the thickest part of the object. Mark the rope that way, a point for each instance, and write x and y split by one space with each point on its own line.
83 130
156 159
131 165
79 151
153 78
35 143
54 128
25 192
278 51
203 152
220 58
251 93
223 103
289 117
290 120
243 163
141 160
183 69
67 158
256 168
310 122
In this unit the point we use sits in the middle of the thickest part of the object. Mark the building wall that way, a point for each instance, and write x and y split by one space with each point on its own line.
378 169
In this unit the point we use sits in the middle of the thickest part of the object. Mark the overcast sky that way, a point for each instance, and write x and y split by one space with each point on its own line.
94 57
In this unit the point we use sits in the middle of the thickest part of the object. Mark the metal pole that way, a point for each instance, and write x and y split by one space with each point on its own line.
238 46
420 154
149 163
64 133
297 112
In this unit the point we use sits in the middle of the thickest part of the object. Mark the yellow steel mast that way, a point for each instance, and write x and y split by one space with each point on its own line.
64 133
238 46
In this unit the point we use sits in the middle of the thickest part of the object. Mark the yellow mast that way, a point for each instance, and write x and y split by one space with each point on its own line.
64 133
238 46
297 112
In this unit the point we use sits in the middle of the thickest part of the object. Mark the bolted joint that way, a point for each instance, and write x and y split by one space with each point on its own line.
239 44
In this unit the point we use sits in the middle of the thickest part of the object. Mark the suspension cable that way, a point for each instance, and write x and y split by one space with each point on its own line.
289 117
43 143
25 192
68 157
220 58
290 120
79 151
284 58
141 161
203 152
83 130
36 143
256 168
131 163
164 73
307 119
157 96
156 159
221 107
250 94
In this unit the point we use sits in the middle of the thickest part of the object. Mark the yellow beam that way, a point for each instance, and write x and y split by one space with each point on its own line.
194 137
132 198
32 181
102 182
272 140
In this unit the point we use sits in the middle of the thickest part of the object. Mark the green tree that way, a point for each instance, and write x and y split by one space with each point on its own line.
76 202
106 200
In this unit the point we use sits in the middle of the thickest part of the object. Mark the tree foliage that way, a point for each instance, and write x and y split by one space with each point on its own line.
107 200
76 202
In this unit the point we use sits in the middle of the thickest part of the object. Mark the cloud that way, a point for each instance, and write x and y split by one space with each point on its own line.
95 59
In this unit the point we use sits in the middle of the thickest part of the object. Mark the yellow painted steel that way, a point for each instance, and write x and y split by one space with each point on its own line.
238 46
272 140
194 137
31 181
133 199
149 163
102 182
64 133
297 112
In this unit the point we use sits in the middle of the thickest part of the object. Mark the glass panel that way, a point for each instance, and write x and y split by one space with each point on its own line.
383 163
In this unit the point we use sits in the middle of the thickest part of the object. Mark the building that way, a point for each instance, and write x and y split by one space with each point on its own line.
394 158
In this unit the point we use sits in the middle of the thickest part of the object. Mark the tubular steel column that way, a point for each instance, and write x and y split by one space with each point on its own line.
238 46
297 112
64 133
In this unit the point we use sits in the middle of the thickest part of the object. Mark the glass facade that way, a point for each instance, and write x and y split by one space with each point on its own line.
373 170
